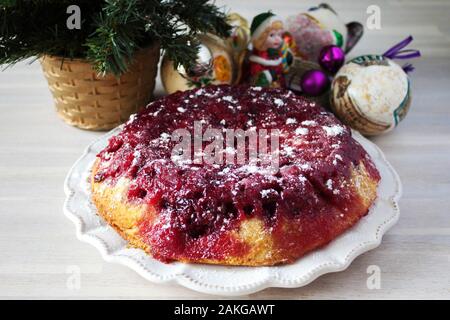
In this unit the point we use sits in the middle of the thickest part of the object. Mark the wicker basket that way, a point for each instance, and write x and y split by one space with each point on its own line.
89 101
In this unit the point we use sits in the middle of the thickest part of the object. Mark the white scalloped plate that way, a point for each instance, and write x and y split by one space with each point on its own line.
232 281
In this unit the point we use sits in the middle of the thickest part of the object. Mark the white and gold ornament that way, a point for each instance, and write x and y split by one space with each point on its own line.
371 94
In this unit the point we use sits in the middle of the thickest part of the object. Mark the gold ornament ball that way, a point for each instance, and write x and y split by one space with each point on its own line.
214 65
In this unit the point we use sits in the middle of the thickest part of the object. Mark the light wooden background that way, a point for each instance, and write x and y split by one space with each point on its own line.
38 244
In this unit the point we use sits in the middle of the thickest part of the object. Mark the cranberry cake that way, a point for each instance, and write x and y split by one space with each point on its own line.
229 213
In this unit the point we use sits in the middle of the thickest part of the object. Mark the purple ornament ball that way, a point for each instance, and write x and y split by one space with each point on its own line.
314 82
331 58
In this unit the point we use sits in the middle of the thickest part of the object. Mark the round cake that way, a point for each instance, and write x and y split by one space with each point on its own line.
233 211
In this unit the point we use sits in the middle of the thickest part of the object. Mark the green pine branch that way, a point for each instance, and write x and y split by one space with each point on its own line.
112 30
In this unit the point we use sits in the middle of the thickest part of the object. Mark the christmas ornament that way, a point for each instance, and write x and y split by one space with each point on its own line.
203 64
287 50
331 58
240 33
297 70
214 65
305 77
269 59
219 60
371 93
319 27
238 43
294 79
314 82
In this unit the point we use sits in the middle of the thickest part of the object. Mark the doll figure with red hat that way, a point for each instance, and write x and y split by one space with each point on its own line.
269 58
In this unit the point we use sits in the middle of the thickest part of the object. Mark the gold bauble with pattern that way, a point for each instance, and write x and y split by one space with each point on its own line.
214 65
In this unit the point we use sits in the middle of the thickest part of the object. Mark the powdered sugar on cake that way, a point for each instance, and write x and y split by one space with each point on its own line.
198 200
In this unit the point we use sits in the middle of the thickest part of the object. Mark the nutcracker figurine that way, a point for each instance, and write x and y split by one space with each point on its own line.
269 58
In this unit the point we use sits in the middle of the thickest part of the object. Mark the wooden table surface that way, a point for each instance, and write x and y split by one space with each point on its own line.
38 247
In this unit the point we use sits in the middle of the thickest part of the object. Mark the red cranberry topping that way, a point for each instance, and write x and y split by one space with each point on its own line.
197 204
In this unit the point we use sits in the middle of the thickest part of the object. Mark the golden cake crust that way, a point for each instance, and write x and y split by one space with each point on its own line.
229 212
125 217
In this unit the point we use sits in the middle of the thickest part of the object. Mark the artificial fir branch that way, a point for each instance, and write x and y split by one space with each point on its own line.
112 30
